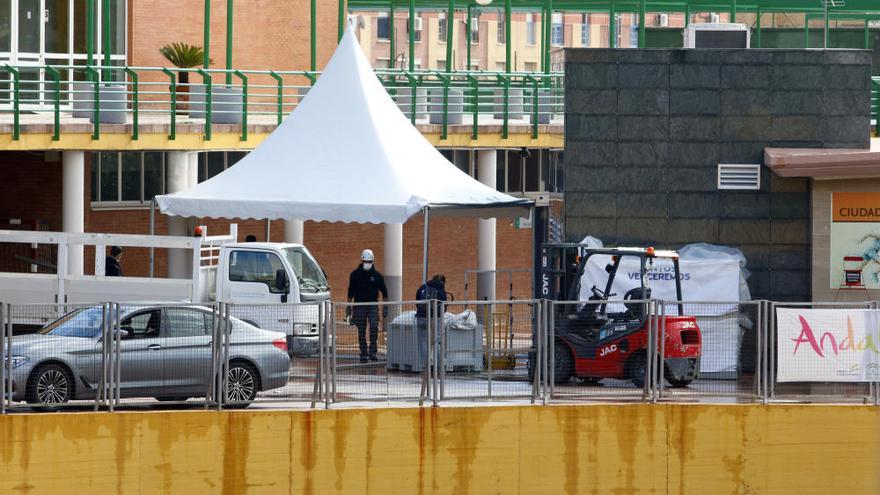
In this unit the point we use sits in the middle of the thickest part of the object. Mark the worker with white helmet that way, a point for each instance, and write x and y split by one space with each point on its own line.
364 286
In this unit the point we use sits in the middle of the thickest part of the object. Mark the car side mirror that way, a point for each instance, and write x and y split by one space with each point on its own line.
609 268
124 332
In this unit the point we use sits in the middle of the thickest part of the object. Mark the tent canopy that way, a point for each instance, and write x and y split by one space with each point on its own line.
346 154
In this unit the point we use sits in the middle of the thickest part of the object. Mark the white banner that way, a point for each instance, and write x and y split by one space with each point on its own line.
701 280
827 345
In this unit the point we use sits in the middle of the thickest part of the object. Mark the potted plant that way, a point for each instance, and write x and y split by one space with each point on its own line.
183 56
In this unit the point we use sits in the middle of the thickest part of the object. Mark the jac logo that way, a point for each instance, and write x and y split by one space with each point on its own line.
608 350
545 284
685 325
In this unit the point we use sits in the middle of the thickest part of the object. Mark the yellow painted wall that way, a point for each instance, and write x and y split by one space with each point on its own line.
675 449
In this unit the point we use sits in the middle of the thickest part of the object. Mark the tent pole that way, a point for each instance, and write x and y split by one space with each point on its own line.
425 250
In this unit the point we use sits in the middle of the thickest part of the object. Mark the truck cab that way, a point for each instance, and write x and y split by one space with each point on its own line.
285 276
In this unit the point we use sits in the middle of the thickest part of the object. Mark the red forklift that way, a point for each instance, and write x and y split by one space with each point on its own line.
601 338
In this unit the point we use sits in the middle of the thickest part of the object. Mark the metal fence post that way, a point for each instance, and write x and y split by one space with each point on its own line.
436 306
441 372
116 376
3 364
331 393
771 349
8 329
551 351
660 383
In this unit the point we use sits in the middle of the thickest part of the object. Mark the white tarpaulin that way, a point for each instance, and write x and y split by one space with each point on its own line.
701 280
346 154
827 345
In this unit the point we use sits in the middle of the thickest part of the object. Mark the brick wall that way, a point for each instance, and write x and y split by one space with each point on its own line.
37 196
646 129
267 34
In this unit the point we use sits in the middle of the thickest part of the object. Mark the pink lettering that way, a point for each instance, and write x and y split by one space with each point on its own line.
807 336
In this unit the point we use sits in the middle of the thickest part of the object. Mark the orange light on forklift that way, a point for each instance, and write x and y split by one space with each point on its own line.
649 251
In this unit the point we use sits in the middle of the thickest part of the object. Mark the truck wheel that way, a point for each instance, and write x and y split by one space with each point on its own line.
49 386
637 369
563 365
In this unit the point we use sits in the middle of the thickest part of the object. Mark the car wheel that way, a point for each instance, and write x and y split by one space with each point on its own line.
563 364
242 384
637 369
49 385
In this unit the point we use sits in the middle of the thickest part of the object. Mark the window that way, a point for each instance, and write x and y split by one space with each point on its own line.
143 325
475 65
214 162
531 66
442 28
418 28
383 63
557 30
383 27
585 30
255 266
532 172
634 33
530 29
309 274
188 322
501 66
130 178
475 31
502 29
441 64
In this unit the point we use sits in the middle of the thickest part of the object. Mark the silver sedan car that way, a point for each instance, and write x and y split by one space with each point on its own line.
165 352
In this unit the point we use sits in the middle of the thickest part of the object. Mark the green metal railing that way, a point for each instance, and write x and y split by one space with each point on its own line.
158 95
875 104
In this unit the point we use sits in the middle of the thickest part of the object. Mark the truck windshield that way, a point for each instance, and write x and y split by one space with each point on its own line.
83 323
308 273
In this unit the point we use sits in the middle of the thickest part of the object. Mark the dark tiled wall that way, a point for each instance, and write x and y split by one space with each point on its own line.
646 130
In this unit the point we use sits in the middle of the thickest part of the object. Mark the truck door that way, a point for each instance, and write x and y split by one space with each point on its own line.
252 278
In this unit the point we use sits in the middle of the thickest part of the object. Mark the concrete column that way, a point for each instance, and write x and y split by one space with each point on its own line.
293 231
73 205
486 173
393 263
193 178
178 172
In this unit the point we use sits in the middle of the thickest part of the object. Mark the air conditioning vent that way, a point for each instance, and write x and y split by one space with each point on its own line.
725 35
743 177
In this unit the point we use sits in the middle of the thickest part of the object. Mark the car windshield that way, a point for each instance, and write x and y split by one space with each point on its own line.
308 273
83 323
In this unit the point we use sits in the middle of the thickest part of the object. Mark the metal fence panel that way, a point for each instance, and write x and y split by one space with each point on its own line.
53 356
727 336
597 352
287 377
380 351
811 391
490 350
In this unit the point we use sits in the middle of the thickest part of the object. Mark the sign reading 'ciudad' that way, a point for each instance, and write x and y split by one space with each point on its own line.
828 345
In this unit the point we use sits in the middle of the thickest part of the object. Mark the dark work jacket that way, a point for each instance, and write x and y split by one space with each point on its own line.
365 285
112 268
430 291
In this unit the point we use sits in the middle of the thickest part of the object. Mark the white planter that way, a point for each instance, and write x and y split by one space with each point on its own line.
514 104
226 103
455 106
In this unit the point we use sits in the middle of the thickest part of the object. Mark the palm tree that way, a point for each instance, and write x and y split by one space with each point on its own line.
184 56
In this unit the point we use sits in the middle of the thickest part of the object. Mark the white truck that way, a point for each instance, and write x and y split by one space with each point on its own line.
270 285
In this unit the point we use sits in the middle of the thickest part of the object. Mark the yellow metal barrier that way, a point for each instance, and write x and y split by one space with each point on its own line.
665 448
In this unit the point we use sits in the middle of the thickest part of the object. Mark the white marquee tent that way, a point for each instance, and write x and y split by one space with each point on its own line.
346 154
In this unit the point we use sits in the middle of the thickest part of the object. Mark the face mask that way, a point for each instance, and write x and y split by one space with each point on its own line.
367 266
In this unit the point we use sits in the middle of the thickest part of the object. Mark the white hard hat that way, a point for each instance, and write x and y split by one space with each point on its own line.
367 255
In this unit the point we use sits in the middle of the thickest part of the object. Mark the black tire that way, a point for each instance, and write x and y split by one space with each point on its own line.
172 399
49 386
637 369
563 364
242 384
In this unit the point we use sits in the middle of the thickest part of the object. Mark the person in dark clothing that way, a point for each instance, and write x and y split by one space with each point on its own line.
250 238
364 285
433 290
111 263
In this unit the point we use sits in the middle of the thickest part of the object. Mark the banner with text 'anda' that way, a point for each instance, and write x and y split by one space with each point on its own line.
828 345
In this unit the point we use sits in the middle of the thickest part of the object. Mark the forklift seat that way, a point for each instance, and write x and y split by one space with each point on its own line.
637 310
